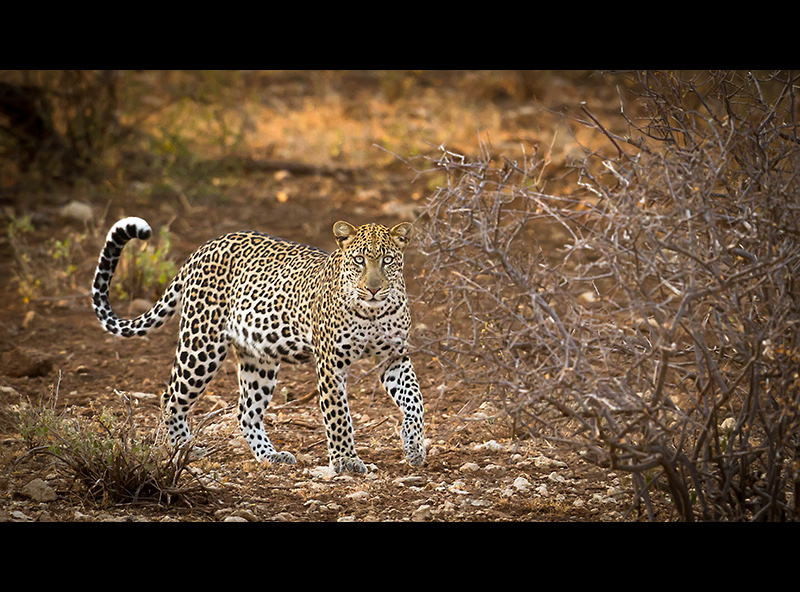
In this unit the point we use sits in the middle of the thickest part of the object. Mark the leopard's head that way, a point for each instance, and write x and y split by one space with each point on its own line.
372 261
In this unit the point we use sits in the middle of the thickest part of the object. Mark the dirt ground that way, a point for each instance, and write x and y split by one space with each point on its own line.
475 470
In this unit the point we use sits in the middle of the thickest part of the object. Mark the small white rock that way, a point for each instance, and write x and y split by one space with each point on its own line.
411 481
469 467
8 390
493 468
522 485
246 514
490 446
324 472
421 514
358 495
544 462
458 487
39 491
76 210
235 519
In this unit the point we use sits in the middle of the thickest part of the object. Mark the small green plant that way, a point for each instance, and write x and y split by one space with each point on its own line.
18 231
19 226
45 268
146 269
62 251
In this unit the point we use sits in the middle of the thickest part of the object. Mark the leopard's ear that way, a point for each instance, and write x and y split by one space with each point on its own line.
401 234
344 232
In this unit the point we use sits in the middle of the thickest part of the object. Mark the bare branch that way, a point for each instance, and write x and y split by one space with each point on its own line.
663 337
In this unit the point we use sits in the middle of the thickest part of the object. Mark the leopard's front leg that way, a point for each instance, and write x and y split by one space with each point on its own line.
332 386
400 381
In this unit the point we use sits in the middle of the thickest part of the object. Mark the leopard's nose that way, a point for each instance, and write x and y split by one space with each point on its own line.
373 291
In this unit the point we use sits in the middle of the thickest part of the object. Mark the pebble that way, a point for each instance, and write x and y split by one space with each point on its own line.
246 514
139 306
412 480
522 485
546 463
39 491
358 495
490 446
235 519
324 472
422 513
458 487
9 391
21 362
78 211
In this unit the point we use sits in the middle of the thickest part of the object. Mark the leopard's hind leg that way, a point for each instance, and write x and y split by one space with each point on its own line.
197 359
257 378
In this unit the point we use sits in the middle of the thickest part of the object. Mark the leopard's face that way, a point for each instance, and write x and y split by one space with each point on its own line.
372 262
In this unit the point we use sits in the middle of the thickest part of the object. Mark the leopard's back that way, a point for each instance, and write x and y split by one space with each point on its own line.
261 287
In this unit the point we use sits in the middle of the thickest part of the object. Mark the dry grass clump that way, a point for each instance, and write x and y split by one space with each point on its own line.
111 460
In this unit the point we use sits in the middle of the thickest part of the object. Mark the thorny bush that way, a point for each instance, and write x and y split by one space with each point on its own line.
663 338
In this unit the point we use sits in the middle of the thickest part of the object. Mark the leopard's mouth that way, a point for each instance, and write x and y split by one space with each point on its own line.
371 297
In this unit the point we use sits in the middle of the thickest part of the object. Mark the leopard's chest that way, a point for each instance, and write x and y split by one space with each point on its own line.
363 332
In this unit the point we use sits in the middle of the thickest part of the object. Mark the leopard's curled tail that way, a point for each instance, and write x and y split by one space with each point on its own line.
119 235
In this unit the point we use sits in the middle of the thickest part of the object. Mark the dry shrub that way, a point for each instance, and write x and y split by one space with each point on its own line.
111 459
663 338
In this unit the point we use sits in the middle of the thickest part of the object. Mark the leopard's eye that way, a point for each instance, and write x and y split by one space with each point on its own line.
359 259
388 259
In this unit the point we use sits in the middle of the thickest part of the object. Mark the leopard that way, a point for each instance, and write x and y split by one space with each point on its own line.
273 301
